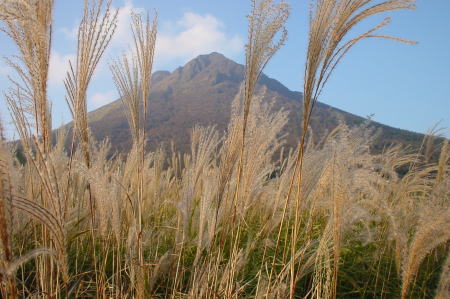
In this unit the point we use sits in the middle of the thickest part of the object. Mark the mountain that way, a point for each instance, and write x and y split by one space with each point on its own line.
201 92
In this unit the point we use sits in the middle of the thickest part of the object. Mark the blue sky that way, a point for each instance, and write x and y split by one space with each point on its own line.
404 86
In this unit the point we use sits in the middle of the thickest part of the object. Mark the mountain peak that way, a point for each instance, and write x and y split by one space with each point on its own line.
212 62
213 57
201 92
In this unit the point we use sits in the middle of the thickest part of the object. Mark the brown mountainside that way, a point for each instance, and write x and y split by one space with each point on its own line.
201 92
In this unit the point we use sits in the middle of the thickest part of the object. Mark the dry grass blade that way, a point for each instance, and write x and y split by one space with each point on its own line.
132 79
46 218
29 25
94 34
330 23
126 78
7 284
144 35
132 76
15 264
19 116
433 231
5 196
220 221
443 167
266 20
443 290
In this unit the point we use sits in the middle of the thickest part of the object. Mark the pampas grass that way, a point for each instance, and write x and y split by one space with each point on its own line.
132 79
29 25
330 23
238 216
96 29
443 290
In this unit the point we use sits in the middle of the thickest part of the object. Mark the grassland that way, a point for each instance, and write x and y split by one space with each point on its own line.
328 219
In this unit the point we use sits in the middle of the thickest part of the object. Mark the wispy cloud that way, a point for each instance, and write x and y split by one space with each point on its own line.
195 35
178 40
123 36
70 33
59 65
119 44
191 35
99 99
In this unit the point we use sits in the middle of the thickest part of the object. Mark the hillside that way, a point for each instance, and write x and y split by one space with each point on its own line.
201 92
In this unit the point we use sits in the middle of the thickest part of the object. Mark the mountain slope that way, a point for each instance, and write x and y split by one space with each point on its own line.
201 93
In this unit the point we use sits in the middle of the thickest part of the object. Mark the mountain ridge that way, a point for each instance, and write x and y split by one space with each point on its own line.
201 91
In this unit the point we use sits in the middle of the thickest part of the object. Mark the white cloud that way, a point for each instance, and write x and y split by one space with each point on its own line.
196 34
99 99
59 65
70 33
177 41
120 43
123 37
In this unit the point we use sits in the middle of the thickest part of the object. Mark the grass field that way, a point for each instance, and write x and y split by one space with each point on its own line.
240 216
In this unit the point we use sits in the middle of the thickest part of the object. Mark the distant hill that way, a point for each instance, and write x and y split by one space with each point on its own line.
201 92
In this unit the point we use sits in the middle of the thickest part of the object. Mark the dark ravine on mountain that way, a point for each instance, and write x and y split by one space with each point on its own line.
201 93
